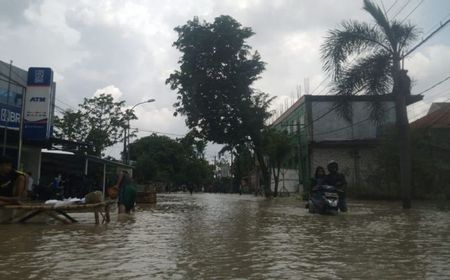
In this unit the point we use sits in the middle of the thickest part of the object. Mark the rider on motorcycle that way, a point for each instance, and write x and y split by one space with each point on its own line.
336 179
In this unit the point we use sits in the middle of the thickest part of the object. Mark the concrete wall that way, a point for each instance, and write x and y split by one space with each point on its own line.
332 127
355 163
288 179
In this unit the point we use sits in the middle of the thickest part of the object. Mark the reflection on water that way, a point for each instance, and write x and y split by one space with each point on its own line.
212 236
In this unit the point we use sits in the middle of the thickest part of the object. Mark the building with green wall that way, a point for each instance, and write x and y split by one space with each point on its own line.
323 135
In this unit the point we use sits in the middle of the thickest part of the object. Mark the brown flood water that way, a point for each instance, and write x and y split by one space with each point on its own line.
218 236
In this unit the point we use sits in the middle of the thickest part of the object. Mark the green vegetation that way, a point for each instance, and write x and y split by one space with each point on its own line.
278 146
430 165
173 162
99 121
364 58
214 86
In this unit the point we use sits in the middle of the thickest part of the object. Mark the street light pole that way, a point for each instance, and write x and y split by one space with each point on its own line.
126 137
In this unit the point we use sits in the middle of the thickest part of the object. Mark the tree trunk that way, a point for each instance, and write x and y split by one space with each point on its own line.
265 180
404 142
276 179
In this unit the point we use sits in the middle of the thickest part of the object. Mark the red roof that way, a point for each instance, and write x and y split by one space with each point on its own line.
440 118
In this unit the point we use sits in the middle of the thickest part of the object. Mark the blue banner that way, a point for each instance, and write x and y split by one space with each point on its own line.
40 76
9 116
38 104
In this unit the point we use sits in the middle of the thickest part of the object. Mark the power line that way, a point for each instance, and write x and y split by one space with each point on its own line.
358 123
393 4
437 24
402 8
314 90
435 85
65 103
413 10
419 109
159 132
382 5
427 38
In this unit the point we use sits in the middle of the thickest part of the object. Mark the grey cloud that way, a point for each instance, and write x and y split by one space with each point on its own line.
128 44
12 12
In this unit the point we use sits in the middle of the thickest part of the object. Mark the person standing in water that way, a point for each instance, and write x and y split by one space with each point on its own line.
127 193
13 183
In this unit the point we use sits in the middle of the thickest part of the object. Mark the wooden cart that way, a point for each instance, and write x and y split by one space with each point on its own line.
61 213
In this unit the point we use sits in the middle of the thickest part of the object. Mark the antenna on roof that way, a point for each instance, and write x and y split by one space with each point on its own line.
306 82
299 91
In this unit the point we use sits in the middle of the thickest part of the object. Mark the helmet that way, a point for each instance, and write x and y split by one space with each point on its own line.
332 163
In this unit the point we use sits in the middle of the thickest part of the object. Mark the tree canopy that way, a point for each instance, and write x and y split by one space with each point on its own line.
99 121
363 58
214 84
175 162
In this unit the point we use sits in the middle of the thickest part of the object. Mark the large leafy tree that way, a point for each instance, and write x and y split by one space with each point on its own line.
214 84
99 121
365 58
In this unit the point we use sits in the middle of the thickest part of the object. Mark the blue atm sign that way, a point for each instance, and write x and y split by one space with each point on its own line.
39 76
38 104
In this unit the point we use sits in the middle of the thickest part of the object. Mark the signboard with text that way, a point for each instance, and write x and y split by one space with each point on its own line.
38 104
9 116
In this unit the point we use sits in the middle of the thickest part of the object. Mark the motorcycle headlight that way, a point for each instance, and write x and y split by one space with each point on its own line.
332 202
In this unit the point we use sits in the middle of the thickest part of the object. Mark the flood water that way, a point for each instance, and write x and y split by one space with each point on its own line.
218 236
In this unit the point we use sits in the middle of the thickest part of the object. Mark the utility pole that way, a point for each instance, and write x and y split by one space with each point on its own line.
5 130
126 134
124 152
401 91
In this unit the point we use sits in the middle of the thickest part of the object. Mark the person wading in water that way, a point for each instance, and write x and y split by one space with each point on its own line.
13 183
127 193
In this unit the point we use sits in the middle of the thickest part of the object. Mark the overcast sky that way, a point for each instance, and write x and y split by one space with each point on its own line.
125 47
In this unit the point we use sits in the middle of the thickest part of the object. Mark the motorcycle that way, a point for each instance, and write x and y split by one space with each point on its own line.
323 200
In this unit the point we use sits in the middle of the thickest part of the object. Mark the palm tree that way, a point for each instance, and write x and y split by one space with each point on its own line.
365 58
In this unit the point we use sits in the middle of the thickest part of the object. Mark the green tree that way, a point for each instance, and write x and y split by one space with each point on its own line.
100 121
175 162
214 84
243 165
377 49
278 146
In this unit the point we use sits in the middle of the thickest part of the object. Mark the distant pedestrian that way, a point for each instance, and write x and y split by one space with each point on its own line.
336 179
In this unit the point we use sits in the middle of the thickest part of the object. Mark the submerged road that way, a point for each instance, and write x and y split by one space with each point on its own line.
219 236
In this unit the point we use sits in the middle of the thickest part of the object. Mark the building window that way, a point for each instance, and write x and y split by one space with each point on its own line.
15 99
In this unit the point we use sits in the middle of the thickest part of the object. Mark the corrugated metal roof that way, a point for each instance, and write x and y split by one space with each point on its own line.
438 117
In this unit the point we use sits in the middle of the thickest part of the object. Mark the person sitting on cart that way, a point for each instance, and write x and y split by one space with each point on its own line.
13 183
336 179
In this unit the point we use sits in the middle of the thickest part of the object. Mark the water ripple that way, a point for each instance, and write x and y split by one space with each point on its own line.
213 236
